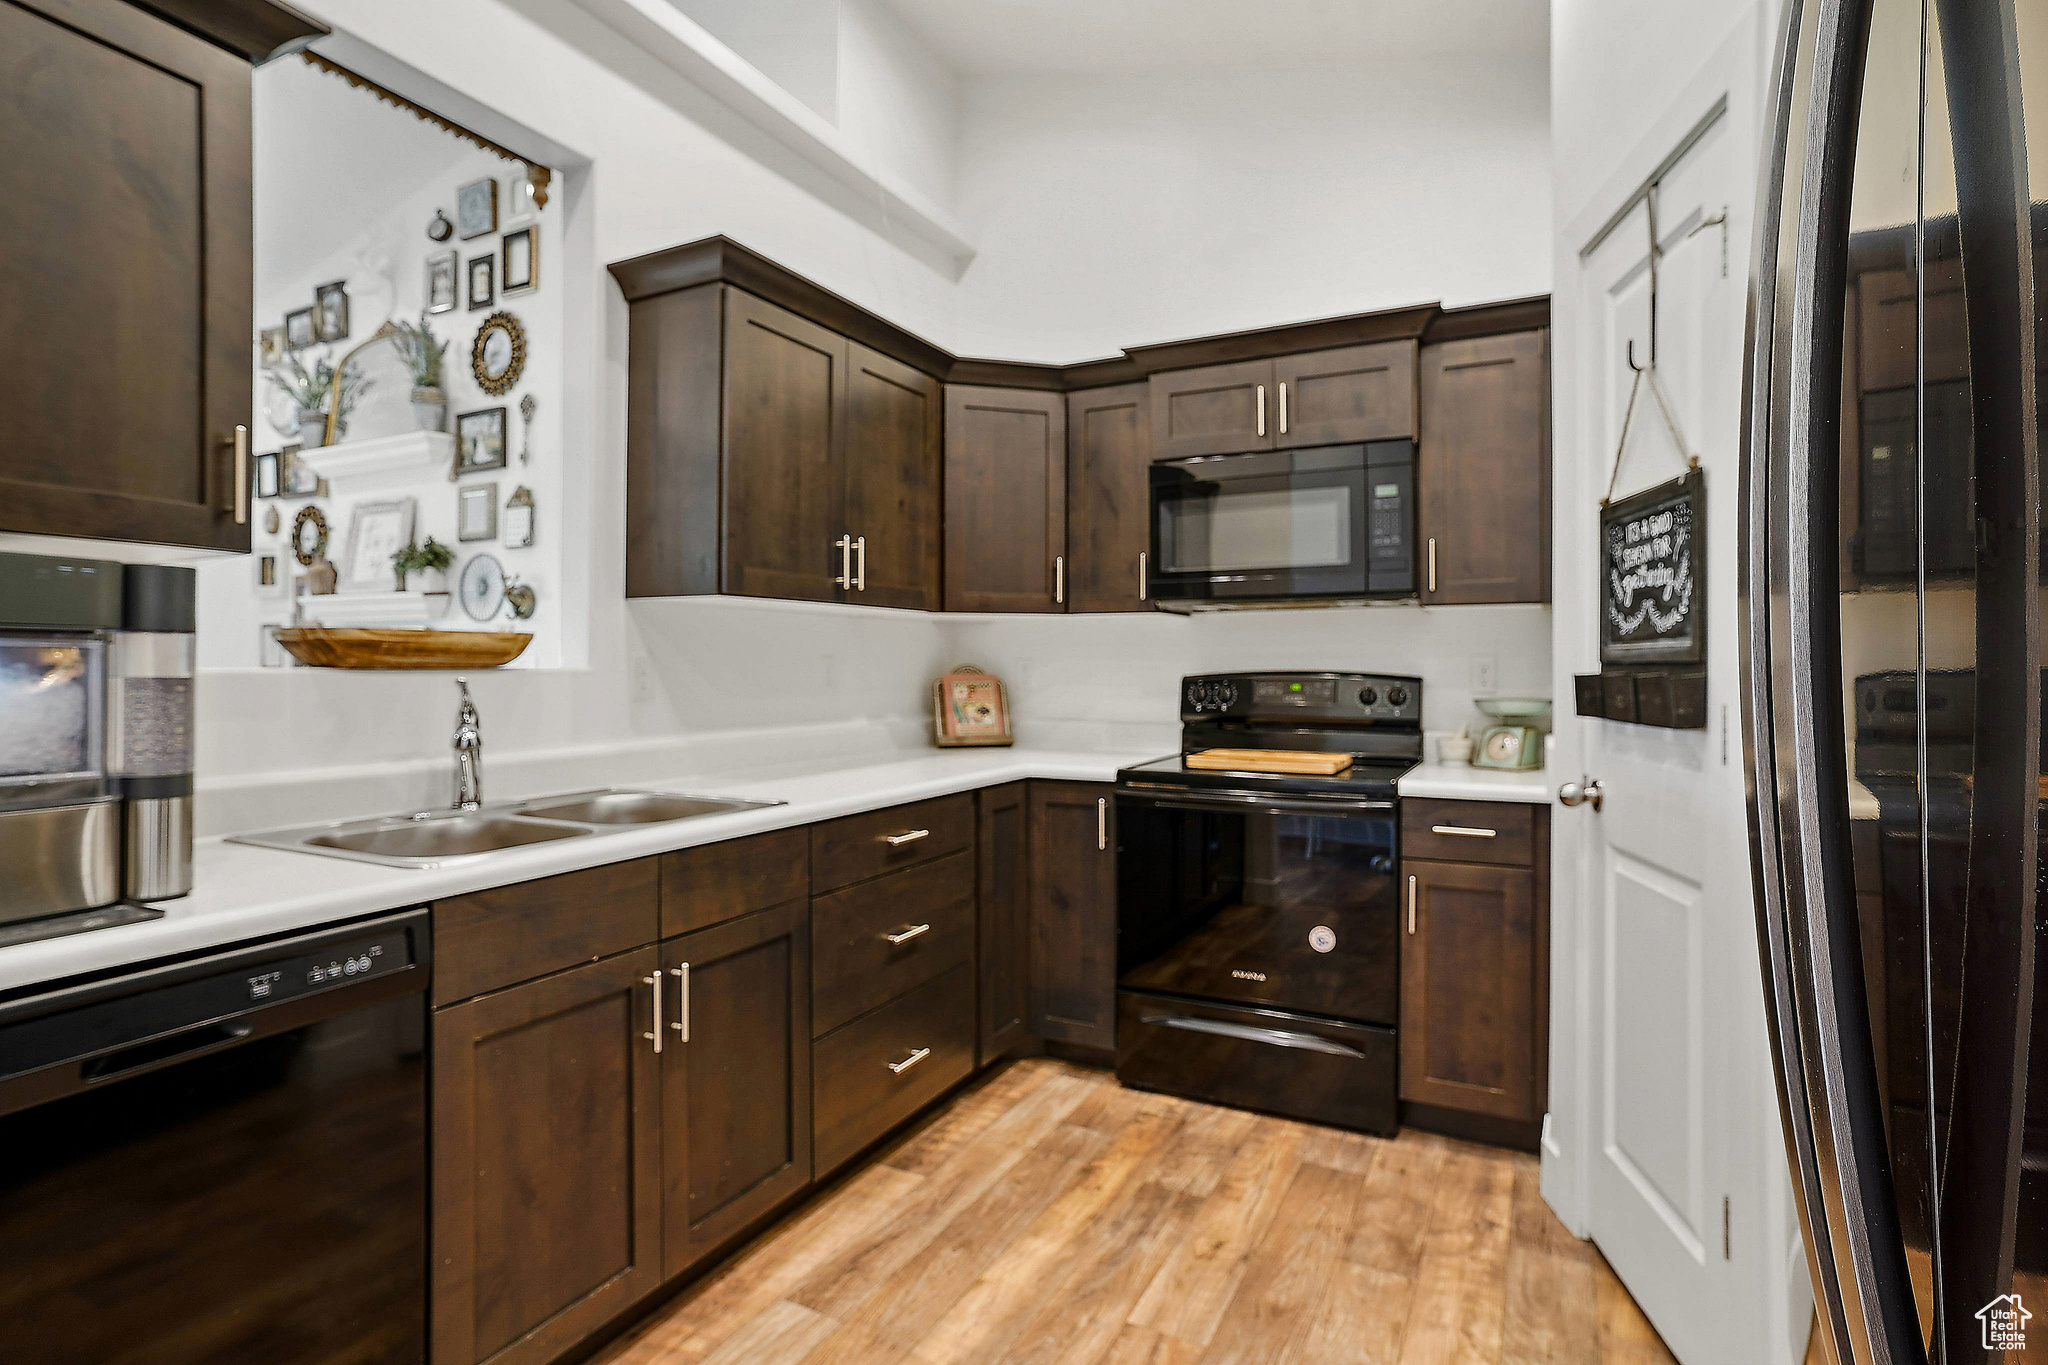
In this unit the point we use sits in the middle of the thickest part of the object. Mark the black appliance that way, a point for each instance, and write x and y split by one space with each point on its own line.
1258 914
221 1159
1898 313
1326 523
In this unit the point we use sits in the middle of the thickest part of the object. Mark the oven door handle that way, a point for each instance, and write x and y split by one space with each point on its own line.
1257 802
1276 1037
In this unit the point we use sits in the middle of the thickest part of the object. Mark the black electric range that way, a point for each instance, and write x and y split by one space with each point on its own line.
1258 914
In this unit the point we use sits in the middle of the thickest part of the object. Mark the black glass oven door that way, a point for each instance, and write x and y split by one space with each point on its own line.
1273 524
1291 905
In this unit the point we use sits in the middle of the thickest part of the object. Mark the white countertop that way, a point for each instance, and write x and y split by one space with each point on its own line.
242 893
1463 782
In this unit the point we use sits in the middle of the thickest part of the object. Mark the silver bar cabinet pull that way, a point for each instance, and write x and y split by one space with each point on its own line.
1059 579
1283 407
1262 410
905 935
1411 905
860 561
1464 831
1432 563
682 1023
654 981
845 547
908 836
1101 823
917 1055
1144 575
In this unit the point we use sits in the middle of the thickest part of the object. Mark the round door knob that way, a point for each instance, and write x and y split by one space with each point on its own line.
1584 792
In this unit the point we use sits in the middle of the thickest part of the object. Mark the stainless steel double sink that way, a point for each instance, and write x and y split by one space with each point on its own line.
436 838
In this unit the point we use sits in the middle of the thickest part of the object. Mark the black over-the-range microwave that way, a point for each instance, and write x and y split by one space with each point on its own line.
1330 523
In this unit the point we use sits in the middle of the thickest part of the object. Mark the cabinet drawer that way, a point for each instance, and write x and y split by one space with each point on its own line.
859 1097
927 911
1501 832
857 847
515 933
713 883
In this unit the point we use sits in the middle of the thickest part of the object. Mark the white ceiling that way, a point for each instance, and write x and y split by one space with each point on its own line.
1102 37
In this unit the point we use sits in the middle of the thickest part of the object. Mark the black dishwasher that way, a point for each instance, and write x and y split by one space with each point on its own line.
221 1159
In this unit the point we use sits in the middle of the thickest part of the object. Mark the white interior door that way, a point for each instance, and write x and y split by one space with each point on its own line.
1663 1142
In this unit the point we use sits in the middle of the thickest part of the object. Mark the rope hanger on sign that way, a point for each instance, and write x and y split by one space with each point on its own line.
1649 371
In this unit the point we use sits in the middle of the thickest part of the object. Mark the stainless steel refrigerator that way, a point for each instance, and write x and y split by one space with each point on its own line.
1892 580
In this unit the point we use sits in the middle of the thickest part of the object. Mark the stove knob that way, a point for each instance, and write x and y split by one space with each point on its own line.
1226 696
1397 695
1194 696
1368 695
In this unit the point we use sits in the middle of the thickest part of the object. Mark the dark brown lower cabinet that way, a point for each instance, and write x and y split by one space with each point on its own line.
735 1077
886 1065
1004 950
547 1162
1472 967
1073 914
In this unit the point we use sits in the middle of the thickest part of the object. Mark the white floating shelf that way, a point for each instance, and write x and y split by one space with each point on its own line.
354 466
390 610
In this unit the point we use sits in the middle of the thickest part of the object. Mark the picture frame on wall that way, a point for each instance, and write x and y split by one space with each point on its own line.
270 347
482 282
266 476
330 305
521 252
295 477
300 329
480 440
376 532
271 579
476 516
476 208
441 284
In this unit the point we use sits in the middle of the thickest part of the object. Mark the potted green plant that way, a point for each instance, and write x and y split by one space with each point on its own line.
430 561
422 353
310 388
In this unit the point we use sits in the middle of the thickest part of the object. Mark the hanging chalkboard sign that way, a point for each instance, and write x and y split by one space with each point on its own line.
1653 586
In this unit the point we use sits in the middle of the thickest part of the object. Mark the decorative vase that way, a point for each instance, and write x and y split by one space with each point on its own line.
430 408
312 429
429 580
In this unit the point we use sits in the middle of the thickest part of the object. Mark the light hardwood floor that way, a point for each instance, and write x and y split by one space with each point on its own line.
1051 1216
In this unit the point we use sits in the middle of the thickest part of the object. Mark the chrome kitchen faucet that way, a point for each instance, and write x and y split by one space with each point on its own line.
469 753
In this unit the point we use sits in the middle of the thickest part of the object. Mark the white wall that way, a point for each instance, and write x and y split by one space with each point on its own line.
1117 210
897 100
794 43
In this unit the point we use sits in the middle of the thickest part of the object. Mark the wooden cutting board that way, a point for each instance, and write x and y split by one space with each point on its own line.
1270 761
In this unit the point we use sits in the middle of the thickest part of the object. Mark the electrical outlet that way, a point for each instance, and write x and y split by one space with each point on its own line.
1485 675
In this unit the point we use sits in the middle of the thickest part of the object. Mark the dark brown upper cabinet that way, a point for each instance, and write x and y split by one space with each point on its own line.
895 452
1109 454
735 1078
129 166
1357 393
1215 410
1483 469
768 456
1352 393
1006 500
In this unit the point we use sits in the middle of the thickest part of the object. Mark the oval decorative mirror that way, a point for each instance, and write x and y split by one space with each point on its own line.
498 354
309 535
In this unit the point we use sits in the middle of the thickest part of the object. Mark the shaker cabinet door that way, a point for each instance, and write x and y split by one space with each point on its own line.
785 434
1109 538
1006 499
1002 1017
1073 914
1483 470
1469 971
1356 393
1214 410
735 1077
894 456
125 279
547 1163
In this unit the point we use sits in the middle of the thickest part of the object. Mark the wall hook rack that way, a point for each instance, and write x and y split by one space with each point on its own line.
1649 371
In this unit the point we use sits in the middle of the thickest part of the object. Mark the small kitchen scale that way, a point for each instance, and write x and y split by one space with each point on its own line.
1514 744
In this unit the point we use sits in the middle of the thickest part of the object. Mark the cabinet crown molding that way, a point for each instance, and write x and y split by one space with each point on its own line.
721 260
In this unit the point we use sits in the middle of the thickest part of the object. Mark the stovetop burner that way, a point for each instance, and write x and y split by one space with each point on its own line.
1376 718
